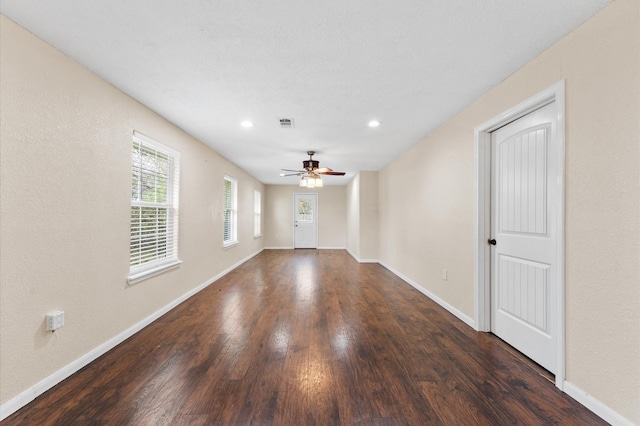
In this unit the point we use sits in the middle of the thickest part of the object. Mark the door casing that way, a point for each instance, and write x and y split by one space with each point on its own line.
482 252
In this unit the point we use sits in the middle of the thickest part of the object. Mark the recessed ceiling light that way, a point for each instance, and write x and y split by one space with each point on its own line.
374 123
246 123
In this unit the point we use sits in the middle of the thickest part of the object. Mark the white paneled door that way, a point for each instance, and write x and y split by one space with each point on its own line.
305 220
524 239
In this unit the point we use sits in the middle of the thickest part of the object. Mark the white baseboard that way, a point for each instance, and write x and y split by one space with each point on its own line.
593 404
22 399
353 255
361 260
461 316
293 248
576 393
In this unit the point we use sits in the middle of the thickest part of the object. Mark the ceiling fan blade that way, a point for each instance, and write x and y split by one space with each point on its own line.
311 169
323 170
331 173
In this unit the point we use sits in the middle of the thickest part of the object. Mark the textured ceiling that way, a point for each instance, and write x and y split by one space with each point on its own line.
207 65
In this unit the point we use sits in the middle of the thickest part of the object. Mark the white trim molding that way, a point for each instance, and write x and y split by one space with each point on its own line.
162 268
602 410
293 248
363 260
482 222
25 397
459 314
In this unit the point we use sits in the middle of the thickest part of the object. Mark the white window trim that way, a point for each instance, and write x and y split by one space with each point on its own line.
142 272
141 276
234 216
257 214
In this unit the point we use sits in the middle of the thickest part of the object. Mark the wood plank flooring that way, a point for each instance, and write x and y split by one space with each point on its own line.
307 337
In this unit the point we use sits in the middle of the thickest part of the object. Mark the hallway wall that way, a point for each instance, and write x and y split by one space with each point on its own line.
65 156
427 224
332 215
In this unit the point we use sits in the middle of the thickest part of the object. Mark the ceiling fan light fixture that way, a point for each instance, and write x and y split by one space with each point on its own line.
310 175
311 183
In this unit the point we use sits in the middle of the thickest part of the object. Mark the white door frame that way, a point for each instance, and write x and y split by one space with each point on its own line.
482 252
295 213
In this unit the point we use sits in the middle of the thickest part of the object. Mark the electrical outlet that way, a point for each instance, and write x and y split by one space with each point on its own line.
55 320
444 274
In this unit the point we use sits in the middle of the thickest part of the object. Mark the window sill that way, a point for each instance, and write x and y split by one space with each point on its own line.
230 244
148 273
255 237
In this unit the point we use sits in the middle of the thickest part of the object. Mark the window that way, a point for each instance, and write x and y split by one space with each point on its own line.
257 214
154 208
230 221
305 210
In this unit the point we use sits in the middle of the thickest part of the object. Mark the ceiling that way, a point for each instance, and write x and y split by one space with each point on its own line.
332 66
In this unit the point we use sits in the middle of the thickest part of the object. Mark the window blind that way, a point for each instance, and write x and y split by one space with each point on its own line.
229 234
154 205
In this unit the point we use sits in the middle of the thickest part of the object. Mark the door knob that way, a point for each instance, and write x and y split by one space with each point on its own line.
492 242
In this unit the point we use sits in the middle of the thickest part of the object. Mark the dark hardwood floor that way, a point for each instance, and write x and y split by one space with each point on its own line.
307 337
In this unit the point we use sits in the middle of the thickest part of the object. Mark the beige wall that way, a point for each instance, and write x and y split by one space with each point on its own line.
362 216
368 215
332 216
65 139
65 158
427 224
353 216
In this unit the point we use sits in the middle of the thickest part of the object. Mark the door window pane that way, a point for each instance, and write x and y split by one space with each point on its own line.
305 211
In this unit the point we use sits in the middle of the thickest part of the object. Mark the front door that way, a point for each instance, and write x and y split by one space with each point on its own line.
305 220
524 250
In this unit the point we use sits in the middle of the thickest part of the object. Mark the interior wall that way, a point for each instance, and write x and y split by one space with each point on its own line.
353 216
368 216
362 216
65 155
332 215
427 224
